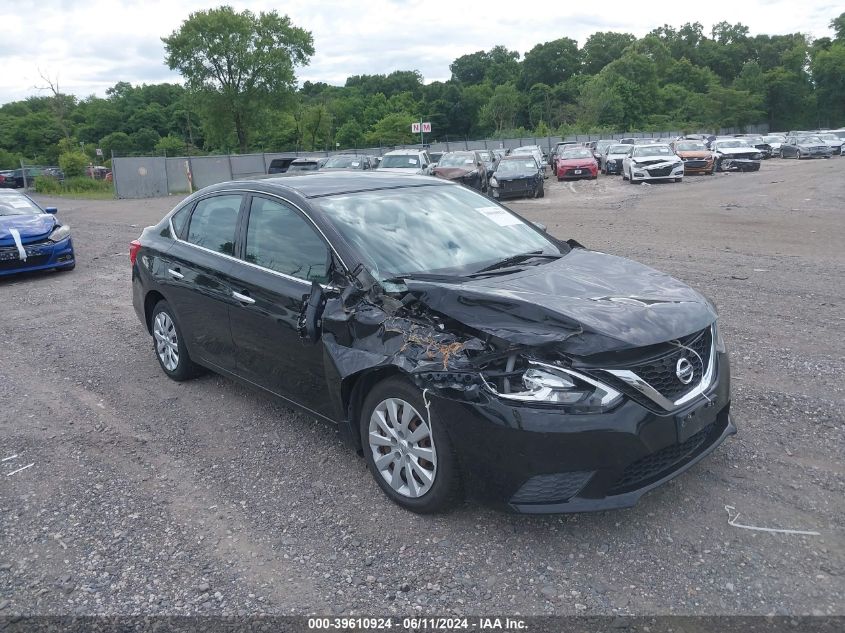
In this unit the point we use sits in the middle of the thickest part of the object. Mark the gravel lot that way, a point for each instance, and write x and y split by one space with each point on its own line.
148 496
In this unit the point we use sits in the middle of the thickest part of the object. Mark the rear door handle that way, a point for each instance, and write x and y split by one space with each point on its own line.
174 272
243 298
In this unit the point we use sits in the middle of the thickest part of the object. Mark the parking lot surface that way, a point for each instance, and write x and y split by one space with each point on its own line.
150 496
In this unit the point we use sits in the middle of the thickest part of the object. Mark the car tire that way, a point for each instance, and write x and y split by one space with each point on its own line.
169 344
678 179
386 438
542 192
798 155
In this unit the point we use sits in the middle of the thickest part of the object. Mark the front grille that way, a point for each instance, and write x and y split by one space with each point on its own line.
695 163
662 171
554 488
17 264
582 171
654 466
661 374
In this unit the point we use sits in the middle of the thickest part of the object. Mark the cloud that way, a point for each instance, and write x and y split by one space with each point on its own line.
92 44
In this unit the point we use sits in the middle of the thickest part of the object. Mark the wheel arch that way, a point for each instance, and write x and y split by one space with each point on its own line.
150 301
353 392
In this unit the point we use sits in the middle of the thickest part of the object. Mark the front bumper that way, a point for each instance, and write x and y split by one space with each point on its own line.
39 256
539 460
515 188
698 166
576 173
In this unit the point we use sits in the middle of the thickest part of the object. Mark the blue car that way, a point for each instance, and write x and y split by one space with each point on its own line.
31 238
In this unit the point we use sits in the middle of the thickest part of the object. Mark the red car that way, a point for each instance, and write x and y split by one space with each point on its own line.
575 163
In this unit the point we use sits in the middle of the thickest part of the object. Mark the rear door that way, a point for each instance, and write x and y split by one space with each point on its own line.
196 281
281 254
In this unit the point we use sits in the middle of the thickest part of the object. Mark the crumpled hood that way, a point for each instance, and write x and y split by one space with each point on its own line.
732 151
695 153
589 302
31 227
452 173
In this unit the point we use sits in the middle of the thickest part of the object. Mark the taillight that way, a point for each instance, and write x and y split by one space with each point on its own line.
134 247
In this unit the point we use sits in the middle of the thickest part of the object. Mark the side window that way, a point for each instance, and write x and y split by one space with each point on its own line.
280 239
213 223
180 220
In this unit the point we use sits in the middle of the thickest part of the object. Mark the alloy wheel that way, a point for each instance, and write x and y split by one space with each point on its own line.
167 343
402 447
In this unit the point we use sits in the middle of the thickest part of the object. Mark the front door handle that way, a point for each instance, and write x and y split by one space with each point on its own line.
243 298
175 273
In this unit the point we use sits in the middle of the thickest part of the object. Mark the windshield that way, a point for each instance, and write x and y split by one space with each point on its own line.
656 150
429 229
14 204
602 145
691 146
517 165
729 144
406 161
487 157
457 160
805 140
618 149
303 167
828 137
576 153
343 161
774 139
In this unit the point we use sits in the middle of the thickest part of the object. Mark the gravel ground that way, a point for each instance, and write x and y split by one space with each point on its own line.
148 496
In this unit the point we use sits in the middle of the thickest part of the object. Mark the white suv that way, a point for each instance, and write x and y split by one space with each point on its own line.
406 161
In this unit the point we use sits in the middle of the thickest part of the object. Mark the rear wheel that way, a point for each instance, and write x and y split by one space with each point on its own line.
407 451
169 345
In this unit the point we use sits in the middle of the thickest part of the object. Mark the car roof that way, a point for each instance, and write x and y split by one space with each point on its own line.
318 183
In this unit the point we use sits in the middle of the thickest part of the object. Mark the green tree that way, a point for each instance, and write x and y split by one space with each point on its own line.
838 26
550 63
603 47
117 142
828 68
501 109
171 145
393 129
73 163
350 134
238 61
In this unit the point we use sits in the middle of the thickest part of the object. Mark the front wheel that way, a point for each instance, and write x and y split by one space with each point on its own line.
407 448
169 345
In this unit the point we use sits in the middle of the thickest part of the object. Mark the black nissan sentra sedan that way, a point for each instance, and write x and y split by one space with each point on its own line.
458 347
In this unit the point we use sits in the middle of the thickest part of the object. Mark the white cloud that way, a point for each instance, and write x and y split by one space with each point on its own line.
92 44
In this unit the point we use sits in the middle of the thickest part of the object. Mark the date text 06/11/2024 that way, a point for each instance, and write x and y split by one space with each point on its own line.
418 624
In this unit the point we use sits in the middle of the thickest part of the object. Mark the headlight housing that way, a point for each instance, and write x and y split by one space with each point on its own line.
61 232
543 383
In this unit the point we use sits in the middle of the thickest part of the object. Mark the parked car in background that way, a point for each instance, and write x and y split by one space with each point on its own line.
652 162
518 176
559 147
406 161
697 158
466 168
303 164
31 237
349 161
280 165
833 142
7 179
735 154
25 177
500 152
600 148
435 158
490 159
757 141
459 348
775 141
810 146
533 150
611 162
58 174
575 163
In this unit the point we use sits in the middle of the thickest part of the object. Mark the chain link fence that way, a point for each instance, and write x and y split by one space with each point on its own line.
155 176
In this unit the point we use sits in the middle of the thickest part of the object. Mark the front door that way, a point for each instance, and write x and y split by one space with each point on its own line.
282 255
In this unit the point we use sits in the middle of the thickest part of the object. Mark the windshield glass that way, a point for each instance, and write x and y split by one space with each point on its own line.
457 160
516 165
618 149
690 146
828 137
303 167
656 150
487 157
429 229
774 139
728 144
576 153
343 161
806 140
15 204
407 161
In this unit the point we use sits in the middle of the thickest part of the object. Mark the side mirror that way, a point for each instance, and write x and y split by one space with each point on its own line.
310 323
51 210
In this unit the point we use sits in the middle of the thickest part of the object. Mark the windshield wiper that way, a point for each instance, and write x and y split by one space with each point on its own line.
400 277
515 259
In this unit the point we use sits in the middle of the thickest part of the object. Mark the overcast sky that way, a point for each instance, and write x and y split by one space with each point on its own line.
90 45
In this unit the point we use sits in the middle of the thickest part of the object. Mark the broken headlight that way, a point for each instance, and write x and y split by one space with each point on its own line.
59 233
542 383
